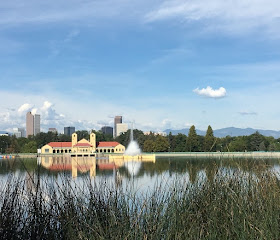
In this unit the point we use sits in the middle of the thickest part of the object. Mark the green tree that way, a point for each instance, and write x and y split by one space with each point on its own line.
161 144
82 134
255 141
192 140
64 138
262 146
14 146
238 145
172 142
209 140
138 136
180 143
272 147
30 147
5 141
21 142
149 146
200 143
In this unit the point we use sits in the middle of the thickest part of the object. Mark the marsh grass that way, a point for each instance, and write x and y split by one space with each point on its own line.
232 205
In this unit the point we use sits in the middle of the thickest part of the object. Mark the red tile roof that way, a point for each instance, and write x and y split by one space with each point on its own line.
108 144
107 166
60 167
83 145
65 167
60 144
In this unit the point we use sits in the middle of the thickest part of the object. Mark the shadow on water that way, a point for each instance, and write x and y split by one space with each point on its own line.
144 171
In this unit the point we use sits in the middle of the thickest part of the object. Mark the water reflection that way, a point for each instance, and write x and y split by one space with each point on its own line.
68 163
146 171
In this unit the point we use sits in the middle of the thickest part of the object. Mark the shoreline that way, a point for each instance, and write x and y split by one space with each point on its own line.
178 154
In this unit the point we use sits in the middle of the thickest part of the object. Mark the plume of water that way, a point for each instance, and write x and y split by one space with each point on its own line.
133 148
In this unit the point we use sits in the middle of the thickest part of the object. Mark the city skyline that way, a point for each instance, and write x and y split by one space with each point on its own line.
163 64
33 126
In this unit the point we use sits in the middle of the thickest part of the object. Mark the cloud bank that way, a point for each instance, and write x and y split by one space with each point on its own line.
233 16
210 92
248 113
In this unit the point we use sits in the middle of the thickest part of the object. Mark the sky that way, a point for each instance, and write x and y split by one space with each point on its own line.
162 64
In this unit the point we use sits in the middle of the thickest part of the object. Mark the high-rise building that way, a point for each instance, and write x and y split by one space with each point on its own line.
118 119
19 132
69 131
32 124
121 128
107 130
37 124
29 124
53 130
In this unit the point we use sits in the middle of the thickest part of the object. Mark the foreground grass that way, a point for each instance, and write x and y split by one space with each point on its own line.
234 205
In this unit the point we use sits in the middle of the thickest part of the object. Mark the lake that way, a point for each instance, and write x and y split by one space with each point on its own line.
142 175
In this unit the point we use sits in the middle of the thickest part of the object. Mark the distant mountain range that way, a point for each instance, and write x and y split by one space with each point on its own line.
230 131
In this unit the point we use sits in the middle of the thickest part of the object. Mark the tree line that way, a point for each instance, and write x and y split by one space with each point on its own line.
197 143
152 142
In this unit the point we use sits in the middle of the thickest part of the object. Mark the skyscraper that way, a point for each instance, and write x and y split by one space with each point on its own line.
69 131
37 124
32 124
53 130
118 119
121 128
29 124
19 132
107 130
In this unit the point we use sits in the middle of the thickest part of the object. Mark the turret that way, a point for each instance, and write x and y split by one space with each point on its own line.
93 141
74 139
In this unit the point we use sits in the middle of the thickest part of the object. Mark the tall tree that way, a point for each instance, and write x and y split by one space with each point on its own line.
14 146
238 144
192 140
209 140
262 146
149 146
172 142
5 141
161 144
180 141
30 147
255 141
82 134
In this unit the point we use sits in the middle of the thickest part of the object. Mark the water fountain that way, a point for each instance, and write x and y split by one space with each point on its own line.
133 152
133 148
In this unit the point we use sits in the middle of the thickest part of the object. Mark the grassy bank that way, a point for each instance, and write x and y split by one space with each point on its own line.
233 205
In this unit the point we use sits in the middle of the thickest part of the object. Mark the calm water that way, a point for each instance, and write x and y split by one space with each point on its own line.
143 174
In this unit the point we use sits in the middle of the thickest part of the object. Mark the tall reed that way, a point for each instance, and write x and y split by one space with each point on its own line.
232 205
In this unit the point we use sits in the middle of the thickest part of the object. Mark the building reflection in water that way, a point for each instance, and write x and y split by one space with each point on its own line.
83 164
68 163
77 164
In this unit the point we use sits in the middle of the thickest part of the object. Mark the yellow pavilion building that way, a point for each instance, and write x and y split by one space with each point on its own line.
83 146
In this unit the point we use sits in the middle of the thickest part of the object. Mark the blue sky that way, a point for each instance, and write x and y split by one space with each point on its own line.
162 64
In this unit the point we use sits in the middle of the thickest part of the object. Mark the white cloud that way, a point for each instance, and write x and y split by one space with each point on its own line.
210 92
233 16
77 11
26 107
166 124
248 113
34 111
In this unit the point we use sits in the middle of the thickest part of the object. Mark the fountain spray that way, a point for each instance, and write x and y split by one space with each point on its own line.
133 148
